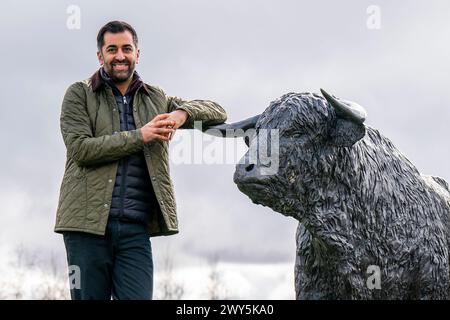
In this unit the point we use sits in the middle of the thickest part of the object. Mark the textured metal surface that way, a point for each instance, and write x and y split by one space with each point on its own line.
232 130
359 202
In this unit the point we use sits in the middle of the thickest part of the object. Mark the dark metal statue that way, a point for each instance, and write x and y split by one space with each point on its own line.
370 225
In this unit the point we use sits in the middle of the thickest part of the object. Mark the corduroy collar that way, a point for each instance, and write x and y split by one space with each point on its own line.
97 82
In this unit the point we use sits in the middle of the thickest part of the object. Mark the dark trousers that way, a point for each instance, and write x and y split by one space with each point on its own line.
118 264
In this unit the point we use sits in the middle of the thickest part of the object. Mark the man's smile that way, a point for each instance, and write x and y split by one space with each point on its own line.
120 66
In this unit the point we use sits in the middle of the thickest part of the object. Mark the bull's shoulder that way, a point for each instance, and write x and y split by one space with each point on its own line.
442 182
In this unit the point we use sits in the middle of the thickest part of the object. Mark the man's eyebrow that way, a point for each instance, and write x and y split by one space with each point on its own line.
115 46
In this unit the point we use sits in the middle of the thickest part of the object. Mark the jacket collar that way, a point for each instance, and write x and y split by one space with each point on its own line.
98 83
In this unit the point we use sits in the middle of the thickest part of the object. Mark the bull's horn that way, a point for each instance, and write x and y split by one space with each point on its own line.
220 130
347 109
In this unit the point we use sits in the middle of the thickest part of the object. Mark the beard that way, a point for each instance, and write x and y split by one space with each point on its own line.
120 71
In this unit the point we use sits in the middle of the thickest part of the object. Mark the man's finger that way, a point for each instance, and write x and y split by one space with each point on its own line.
163 130
162 116
160 137
164 123
172 134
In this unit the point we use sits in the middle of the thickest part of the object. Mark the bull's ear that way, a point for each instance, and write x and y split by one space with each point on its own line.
346 133
349 126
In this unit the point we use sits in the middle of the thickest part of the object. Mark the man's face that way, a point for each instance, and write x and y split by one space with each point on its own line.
118 55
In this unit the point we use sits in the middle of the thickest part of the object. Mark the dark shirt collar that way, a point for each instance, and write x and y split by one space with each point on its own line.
135 83
101 78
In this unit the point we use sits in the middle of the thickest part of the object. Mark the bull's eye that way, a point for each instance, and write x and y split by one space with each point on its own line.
295 134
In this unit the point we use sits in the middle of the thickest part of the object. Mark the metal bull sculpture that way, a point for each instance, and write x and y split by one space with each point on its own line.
363 208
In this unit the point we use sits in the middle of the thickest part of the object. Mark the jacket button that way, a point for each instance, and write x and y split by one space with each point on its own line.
134 109
105 205
154 178
110 180
162 202
115 132
114 109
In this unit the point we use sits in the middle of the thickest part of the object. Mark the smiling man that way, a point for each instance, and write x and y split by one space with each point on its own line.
116 191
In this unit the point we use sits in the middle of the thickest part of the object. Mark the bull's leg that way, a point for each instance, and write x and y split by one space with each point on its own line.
305 286
302 281
434 282
309 285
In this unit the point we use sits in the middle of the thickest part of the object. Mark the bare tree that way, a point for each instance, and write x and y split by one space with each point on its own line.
168 288
216 290
33 276
54 280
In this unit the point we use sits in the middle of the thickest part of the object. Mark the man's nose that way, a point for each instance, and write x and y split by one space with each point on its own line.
120 56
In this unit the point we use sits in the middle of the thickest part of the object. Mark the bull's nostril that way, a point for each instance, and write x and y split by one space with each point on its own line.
249 167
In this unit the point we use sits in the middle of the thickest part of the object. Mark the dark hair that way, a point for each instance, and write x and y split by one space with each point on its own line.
115 27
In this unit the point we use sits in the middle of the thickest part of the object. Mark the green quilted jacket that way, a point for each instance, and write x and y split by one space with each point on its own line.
90 128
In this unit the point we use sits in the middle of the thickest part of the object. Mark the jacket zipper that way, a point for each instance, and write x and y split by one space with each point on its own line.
125 164
150 168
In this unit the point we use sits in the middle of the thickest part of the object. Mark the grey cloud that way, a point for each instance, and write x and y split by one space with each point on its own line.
243 55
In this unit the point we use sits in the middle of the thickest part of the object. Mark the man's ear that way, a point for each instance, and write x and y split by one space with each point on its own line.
138 53
100 58
346 133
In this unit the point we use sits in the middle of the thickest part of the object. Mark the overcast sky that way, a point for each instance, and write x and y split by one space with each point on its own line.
242 54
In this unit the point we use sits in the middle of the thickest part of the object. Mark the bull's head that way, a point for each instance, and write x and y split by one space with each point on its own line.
311 128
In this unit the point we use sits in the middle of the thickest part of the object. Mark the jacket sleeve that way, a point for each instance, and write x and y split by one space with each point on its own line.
208 112
77 133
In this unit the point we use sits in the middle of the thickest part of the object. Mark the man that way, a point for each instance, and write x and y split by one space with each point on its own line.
116 190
